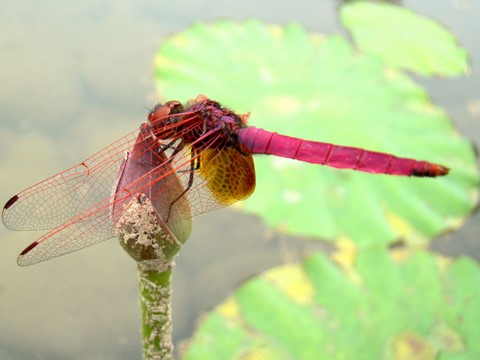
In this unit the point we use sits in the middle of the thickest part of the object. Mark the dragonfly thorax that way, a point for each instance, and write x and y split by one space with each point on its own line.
217 125
203 123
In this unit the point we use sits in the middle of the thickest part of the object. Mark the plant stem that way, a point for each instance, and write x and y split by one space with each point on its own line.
155 301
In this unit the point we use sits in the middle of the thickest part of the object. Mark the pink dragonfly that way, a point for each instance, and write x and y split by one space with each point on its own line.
201 153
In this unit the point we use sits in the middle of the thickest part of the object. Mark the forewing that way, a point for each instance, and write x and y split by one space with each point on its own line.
57 199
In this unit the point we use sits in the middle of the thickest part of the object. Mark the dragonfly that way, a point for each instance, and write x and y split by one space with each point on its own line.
188 159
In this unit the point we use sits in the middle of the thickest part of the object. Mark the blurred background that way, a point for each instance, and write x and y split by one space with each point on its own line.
77 76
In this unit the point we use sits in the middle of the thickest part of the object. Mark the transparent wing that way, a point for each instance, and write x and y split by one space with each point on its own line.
85 229
53 201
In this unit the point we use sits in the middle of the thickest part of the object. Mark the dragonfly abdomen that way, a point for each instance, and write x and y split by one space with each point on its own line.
259 141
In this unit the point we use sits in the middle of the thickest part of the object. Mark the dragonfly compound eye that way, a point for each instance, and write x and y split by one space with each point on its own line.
175 106
160 111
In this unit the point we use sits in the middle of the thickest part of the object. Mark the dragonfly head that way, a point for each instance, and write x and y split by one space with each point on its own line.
160 111
164 119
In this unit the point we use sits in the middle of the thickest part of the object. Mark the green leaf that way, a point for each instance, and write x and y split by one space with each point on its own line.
319 88
404 39
381 305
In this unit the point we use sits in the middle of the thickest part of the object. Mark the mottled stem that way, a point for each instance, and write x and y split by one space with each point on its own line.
155 300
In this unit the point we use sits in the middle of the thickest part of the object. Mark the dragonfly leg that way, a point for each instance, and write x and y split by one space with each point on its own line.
168 146
194 165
